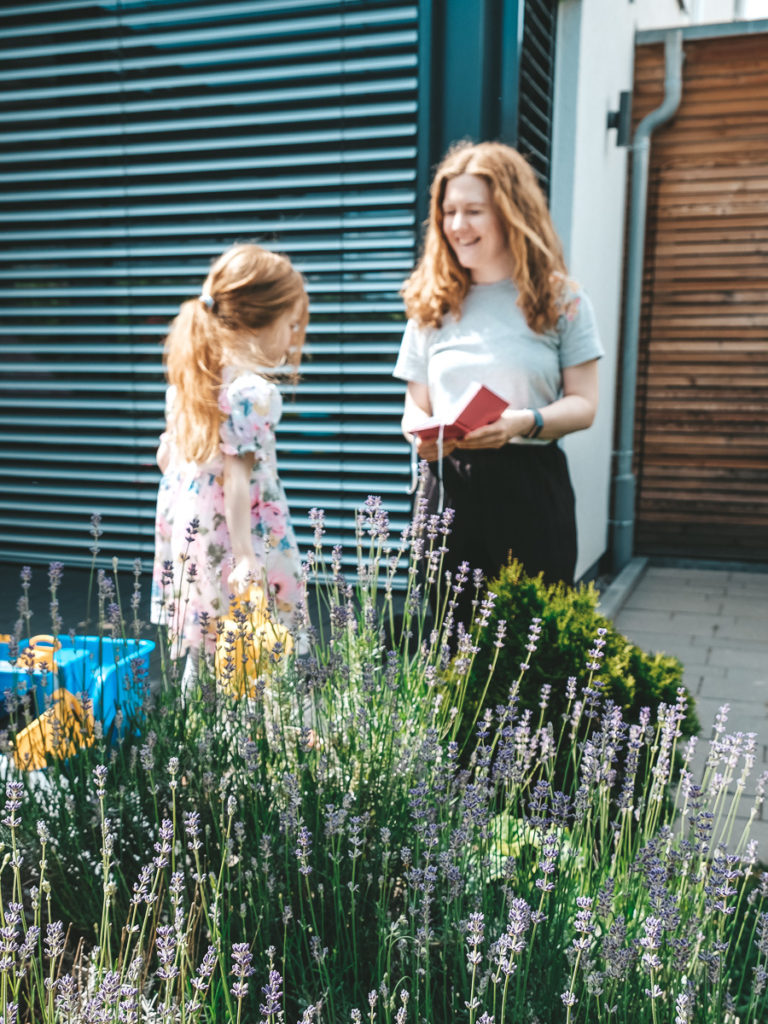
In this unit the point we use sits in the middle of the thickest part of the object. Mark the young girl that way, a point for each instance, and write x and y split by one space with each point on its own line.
222 516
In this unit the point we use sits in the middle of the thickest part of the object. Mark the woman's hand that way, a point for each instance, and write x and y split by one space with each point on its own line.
428 449
574 410
511 423
417 409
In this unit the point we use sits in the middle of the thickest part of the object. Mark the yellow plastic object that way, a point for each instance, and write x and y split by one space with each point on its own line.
250 644
40 654
62 730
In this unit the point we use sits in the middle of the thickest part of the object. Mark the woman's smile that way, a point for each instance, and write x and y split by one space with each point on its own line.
473 230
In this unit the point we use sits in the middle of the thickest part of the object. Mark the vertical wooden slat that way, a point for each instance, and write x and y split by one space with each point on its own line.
702 405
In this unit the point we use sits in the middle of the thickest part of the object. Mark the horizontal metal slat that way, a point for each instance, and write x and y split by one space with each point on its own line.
73 374
319 487
137 309
306 251
206 33
69 441
110 403
206 56
145 16
377 286
125 108
127 269
193 143
326 339
222 231
89 474
104 172
219 121
124 193
346 221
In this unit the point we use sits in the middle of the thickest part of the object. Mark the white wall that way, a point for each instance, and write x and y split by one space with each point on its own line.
713 11
595 59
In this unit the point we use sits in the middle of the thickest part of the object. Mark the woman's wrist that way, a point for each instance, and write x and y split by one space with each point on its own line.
536 425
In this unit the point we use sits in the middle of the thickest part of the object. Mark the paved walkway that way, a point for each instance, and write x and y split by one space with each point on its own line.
716 622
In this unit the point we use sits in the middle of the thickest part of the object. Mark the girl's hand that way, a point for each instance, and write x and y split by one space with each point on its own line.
244 573
164 451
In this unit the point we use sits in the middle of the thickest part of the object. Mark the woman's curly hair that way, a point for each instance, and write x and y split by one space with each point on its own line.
439 284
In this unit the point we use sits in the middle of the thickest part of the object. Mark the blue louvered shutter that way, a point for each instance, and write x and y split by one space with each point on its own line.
139 139
536 81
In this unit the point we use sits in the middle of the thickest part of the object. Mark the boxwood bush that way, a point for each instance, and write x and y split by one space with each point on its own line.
568 625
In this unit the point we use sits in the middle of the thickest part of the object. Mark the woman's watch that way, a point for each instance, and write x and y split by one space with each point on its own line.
538 423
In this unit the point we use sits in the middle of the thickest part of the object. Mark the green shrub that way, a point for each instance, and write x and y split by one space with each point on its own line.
569 625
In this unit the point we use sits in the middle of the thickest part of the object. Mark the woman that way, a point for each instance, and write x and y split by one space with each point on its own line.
490 303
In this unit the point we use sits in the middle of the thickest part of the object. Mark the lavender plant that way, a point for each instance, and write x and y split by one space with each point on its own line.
319 850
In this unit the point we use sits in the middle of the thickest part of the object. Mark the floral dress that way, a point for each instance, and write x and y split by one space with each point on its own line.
193 551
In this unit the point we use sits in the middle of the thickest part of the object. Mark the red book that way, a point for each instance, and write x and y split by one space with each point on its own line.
477 407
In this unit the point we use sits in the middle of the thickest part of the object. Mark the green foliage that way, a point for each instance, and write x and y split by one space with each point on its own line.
320 852
570 623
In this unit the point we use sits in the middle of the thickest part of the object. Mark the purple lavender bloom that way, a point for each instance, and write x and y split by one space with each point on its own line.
317 519
242 968
163 848
202 979
100 778
304 849
54 939
166 952
13 794
273 994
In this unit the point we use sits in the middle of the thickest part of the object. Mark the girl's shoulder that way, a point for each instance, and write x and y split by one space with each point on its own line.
246 388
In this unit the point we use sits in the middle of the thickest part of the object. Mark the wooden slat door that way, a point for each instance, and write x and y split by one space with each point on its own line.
702 405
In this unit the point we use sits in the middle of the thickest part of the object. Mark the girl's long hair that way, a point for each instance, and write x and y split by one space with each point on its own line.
439 284
248 288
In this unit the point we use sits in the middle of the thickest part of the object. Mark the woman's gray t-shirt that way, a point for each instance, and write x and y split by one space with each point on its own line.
491 344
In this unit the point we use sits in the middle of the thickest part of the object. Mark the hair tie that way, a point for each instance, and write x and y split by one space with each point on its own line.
207 299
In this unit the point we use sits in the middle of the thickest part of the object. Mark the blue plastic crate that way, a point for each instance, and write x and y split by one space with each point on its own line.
115 666
104 668
71 665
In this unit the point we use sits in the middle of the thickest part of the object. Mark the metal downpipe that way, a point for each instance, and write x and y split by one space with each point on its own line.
623 522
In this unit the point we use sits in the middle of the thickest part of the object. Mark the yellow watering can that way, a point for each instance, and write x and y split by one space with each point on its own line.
61 730
250 644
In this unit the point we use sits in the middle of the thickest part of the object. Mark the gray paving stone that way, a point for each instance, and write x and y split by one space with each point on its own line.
658 597
633 620
684 648
743 627
695 665
716 622
744 678
699 578
748 655
742 716
747 690
757 581
752 606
